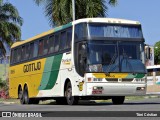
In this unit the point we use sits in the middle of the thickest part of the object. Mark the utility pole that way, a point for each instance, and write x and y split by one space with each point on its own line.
73 9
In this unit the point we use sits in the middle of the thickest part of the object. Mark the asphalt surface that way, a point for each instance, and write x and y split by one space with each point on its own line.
145 105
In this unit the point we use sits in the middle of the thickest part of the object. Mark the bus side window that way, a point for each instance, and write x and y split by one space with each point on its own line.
150 72
51 44
31 50
15 56
46 45
27 52
23 53
35 52
62 41
40 46
69 38
56 43
158 72
19 54
12 52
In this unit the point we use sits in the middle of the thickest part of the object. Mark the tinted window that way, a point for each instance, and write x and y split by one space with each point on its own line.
23 53
19 55
69 38
51 44
12 56
15 56
150 72
27 52
105 30
40 50
35 53
31 50
78 31
56 43
63 41
46 45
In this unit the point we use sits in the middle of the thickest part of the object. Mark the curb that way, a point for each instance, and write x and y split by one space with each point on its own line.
7 103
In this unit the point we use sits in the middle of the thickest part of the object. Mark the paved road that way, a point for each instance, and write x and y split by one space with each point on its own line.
152 104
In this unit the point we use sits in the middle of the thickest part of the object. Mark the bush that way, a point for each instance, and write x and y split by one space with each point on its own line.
4 89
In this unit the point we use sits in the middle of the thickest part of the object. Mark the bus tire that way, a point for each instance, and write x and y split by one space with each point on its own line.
118 100
21 96
71 100
26 97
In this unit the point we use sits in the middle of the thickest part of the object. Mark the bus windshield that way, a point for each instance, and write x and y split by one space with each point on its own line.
119 31
115 56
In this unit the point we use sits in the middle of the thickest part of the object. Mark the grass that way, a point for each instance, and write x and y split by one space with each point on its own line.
15 101
134 97
2 71
128 98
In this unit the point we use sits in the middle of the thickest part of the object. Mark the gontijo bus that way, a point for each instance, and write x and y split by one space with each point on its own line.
92 58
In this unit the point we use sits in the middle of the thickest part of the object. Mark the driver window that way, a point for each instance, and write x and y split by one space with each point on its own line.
82 57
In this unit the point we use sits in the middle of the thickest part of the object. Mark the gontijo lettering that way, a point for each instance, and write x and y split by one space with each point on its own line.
32 67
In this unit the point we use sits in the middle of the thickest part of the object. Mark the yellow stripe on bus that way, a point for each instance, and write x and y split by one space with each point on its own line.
110 75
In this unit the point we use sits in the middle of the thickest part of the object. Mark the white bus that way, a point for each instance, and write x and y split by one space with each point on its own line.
91 58
153 80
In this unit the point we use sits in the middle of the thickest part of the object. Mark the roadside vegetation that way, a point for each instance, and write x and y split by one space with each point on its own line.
10 32
4 90
59 12
156 53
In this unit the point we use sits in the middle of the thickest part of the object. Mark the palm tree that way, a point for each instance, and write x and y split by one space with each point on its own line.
59 12
10 23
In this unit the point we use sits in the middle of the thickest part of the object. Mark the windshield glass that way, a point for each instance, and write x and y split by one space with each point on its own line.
115 57
108 30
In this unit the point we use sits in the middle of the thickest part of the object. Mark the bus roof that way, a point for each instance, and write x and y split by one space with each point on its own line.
107 20
99 20
153 66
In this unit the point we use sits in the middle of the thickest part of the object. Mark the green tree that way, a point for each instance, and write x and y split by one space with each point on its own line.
157 53
59 12
10 23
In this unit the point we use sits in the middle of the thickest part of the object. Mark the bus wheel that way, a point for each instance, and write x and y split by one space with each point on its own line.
118 100
26 97
71 100
21 96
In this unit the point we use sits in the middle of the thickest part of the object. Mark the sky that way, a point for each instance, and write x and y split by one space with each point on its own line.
144 11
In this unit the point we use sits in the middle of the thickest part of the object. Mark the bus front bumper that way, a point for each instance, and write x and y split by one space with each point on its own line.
115 89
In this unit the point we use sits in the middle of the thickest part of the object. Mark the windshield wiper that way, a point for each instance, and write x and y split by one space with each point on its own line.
111 62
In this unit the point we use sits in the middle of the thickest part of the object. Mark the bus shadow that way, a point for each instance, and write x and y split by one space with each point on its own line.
81 103
142 103
93 103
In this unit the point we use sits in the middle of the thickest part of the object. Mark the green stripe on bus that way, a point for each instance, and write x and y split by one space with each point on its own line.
135 76
51 71
63 27
140 75
130 76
